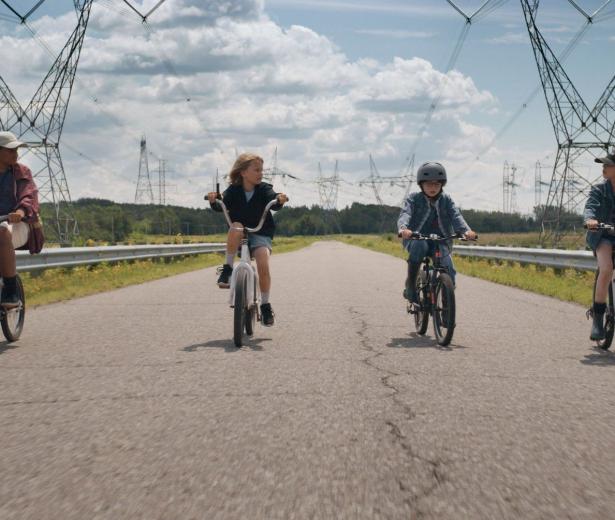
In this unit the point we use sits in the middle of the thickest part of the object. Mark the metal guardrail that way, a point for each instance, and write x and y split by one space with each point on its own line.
50 258
557 258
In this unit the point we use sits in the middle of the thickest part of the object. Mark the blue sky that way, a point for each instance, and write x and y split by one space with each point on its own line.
320 80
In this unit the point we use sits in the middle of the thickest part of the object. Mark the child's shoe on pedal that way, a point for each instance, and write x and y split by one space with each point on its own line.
225 274
267 315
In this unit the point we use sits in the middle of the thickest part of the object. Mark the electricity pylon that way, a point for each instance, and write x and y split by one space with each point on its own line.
144 193
509 188
580 131
40 124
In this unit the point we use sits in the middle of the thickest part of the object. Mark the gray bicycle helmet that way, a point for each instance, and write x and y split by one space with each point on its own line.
431 171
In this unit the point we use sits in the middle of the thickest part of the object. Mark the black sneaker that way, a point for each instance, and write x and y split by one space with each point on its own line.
225 274
267 314
9 298
411 295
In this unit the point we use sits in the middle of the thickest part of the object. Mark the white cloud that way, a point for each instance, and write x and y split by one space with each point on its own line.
236 81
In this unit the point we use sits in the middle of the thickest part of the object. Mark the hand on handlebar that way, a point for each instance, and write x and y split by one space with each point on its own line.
470 235
591 224
15 216
212 196
406 234
282 198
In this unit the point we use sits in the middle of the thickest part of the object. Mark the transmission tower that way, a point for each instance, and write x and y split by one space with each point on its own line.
404 180
270 174
579 131
538 184
509 185
144 193
328 188
40 124
162 181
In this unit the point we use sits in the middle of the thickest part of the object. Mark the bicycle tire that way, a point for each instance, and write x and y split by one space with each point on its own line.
239 311
421 316
443 310
609 318
250 320
12 320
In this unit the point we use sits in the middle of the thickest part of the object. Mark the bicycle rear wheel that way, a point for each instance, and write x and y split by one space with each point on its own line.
443 311
609 318
12 320
421 315
239 311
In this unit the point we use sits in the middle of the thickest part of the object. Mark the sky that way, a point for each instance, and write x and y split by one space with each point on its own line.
320 81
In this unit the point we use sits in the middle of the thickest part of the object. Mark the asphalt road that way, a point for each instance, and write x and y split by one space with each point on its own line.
135 404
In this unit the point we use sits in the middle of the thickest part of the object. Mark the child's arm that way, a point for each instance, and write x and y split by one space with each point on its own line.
592 206
404 219
270 194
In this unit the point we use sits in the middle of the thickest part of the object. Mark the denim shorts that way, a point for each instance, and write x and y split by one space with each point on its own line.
606 239
256 241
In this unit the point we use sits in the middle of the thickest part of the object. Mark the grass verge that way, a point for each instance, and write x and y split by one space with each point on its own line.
53 285
567 284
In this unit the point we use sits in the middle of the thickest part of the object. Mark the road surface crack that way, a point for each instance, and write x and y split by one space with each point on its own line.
434 465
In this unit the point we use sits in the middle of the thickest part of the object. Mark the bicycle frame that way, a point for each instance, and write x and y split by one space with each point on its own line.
245 263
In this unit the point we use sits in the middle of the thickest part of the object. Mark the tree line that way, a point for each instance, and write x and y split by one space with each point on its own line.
105 220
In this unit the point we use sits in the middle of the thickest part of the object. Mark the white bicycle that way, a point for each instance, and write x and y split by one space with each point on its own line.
245 290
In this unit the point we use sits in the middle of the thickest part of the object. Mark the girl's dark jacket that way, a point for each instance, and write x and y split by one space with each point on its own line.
249 213
599 206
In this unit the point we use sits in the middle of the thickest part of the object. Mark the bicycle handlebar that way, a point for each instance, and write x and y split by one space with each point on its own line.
269 205
601 225
437 238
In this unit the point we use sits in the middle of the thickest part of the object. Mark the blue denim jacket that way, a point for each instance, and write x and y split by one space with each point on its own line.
415 213
599 206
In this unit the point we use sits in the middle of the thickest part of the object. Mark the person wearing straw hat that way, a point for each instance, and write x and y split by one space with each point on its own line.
18 200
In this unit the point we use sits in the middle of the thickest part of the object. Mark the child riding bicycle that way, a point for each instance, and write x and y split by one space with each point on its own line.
429 211
599 209
245 199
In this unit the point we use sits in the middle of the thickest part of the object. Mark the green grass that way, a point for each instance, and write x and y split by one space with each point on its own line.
568 285
53 285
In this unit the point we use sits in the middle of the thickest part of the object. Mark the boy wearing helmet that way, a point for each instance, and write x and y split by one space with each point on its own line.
429 211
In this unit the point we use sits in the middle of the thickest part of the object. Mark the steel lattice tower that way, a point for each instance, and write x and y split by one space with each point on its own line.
144 193
40 124
509 188
579 131
328 188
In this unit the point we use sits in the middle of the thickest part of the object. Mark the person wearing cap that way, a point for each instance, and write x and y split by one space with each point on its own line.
18 200
429 211
600 208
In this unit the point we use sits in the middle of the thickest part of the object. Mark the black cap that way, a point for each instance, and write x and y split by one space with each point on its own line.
608 160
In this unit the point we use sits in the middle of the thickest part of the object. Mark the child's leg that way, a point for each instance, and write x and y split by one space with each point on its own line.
233 240
418 250
261 255
605 264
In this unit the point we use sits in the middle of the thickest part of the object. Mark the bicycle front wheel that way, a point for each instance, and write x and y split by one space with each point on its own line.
443 311
12 319
421 314
609 318
239 311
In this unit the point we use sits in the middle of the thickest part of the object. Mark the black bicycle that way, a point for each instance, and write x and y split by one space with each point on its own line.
435 293
12 319
609 315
